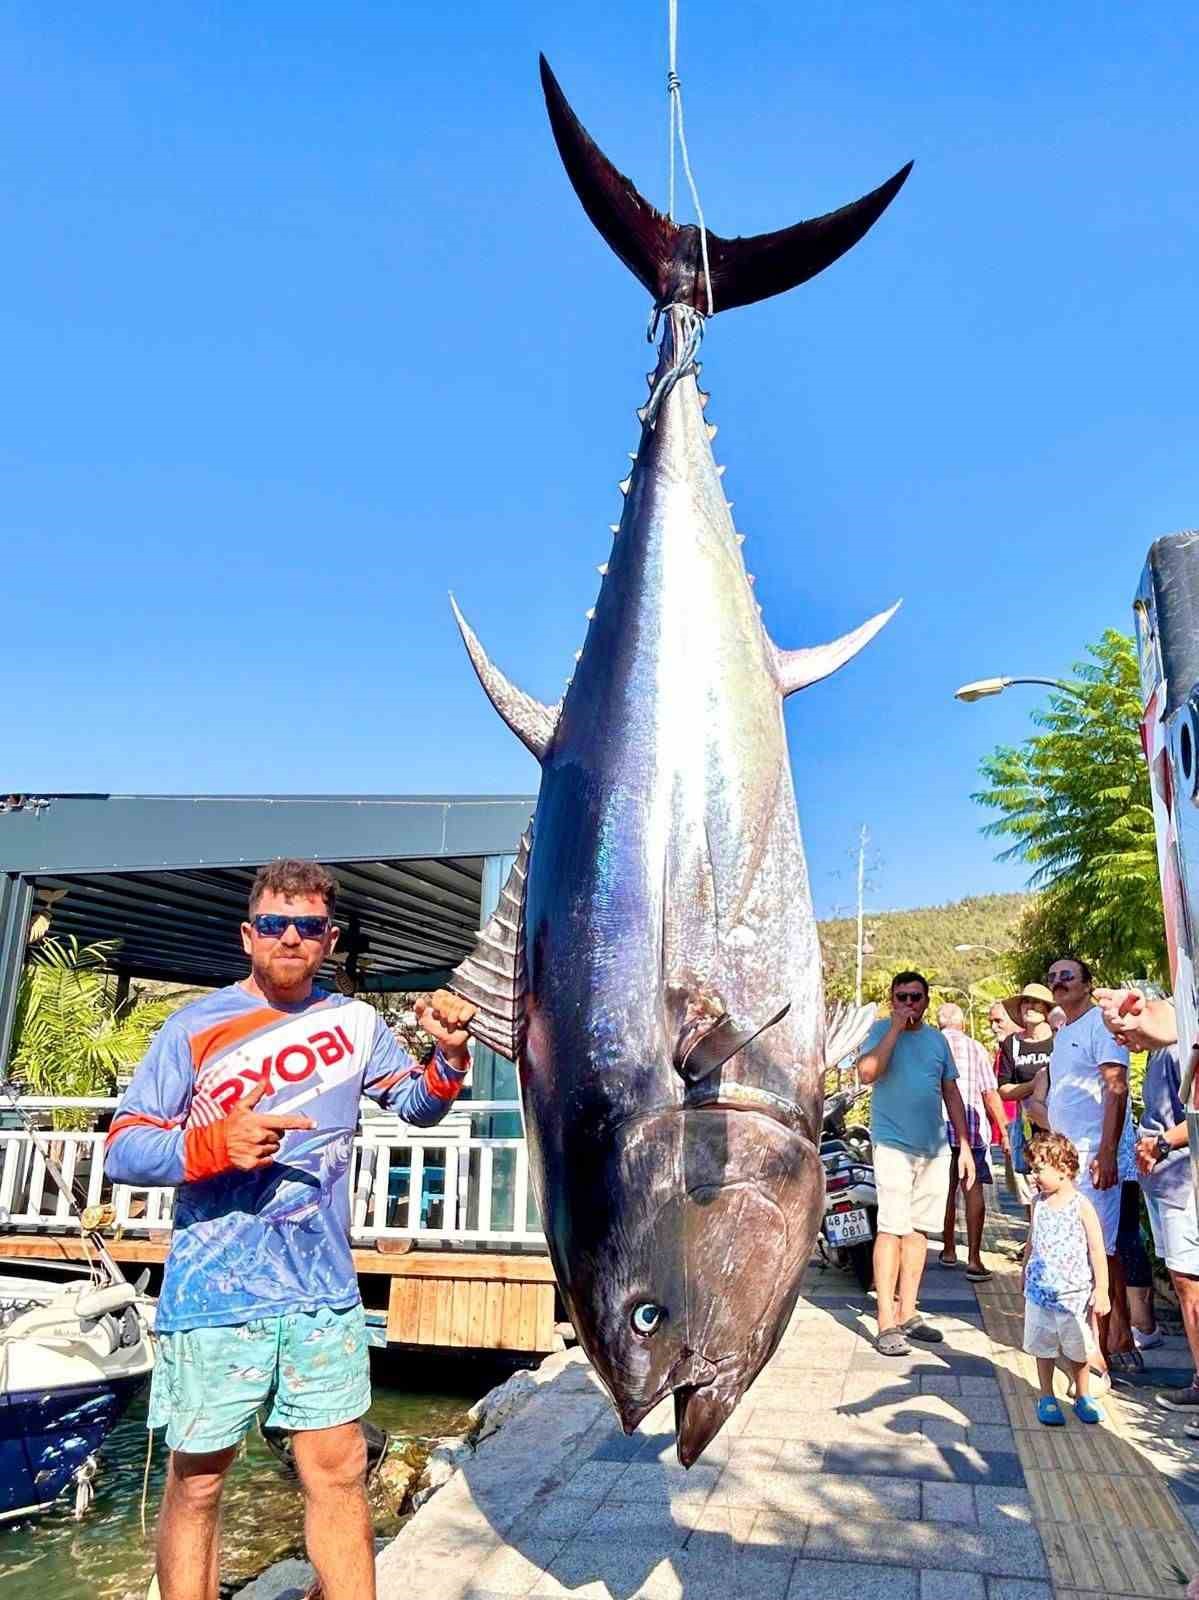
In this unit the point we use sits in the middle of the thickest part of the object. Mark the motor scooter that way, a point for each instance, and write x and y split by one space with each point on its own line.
846 1236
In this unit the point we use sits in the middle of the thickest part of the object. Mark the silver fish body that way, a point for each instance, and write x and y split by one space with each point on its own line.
654 965
667 885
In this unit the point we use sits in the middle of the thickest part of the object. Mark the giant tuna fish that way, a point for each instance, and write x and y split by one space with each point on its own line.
653 965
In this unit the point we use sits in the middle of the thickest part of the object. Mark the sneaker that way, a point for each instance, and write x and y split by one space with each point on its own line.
1185 1400
1147 1341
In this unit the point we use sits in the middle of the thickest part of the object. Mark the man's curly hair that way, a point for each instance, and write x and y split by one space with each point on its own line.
1053 1150
295 878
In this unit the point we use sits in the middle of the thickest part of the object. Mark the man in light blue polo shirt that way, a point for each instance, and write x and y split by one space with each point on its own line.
912 1076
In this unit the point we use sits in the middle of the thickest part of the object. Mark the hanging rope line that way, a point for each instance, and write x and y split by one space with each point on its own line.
674 91
688 329
686 351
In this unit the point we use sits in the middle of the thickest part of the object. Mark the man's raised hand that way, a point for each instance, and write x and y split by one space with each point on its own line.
444 1017
252 1138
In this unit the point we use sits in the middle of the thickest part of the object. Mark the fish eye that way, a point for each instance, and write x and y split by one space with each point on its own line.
646 1318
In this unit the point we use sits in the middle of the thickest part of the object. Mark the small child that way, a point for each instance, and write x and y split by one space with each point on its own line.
1065 1276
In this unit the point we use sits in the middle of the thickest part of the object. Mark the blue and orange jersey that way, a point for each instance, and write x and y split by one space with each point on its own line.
275 1240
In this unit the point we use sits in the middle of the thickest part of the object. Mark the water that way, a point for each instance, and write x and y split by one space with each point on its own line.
106 1557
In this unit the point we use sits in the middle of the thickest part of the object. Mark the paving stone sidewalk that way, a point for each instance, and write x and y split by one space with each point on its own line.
844 1475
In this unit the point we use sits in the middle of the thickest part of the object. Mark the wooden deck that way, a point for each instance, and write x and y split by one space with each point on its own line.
445 1299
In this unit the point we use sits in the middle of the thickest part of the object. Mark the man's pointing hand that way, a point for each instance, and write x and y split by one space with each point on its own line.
252 1139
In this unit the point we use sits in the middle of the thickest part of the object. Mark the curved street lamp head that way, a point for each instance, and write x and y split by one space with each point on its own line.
981 688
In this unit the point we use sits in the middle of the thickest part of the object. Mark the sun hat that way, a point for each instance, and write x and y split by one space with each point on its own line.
1030 991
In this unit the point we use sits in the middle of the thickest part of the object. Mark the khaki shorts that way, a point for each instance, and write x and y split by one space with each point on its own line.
912 1190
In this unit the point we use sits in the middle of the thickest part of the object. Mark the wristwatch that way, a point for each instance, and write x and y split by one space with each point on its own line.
1163 1148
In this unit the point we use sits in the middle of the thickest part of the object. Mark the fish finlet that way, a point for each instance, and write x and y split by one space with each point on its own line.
590 613
602 569
632 455
713 430
704 397
641 413
625 484
578 655
740 538
614 527
721 470
752 577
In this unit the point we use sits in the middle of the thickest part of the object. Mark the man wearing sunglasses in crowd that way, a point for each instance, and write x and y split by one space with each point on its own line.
1088 1102
912 1074
247 1103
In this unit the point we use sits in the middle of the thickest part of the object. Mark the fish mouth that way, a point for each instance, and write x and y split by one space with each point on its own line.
700 1411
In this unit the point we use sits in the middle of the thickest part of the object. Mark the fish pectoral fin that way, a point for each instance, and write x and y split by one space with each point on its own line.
531 721
493 976
795 669
845 1029
698 1056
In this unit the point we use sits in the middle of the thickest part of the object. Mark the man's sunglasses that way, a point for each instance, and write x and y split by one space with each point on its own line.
909 996
270 926
1057 979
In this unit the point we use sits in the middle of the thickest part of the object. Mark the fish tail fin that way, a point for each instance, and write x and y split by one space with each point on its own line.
666 256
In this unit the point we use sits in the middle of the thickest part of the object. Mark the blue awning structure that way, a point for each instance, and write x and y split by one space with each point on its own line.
165 878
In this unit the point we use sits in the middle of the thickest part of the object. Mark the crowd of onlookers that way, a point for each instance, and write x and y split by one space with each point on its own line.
1053 1098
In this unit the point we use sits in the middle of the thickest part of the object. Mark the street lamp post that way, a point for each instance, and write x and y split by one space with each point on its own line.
981 688
955 988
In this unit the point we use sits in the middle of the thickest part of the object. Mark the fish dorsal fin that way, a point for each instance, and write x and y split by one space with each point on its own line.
847 1026
493 976
697 1056
532 722
795 669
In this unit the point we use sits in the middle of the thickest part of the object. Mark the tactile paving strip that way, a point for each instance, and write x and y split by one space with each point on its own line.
1109 1524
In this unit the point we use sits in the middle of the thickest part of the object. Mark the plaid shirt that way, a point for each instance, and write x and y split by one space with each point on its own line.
976 1076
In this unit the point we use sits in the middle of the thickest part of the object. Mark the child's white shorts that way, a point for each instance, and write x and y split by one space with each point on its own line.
1052 1331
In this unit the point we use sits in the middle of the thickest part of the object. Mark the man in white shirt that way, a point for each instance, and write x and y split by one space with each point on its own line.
1088 1098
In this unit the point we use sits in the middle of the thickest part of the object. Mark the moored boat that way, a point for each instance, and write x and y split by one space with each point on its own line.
73 1354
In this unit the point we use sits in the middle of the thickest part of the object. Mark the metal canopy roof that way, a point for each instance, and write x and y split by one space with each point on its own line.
167 876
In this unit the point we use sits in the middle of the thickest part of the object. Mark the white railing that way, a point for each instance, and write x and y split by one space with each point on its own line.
442 1185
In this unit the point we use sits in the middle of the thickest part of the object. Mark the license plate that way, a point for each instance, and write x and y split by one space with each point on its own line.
847 1227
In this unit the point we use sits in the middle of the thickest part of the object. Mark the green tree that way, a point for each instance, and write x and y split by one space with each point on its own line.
69 1038
1075 806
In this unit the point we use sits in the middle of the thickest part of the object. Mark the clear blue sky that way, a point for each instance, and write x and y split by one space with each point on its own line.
303 326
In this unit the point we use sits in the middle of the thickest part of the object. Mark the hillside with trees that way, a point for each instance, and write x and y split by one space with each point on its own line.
925 938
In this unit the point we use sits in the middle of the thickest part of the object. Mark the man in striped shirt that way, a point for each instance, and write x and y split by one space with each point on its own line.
980 1097
247 1103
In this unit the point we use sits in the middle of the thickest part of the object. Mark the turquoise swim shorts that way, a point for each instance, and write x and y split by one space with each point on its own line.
312 1369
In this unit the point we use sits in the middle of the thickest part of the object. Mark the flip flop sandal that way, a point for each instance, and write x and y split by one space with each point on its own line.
978 1275
1126 1361
948 1261
1050 1413
892 1343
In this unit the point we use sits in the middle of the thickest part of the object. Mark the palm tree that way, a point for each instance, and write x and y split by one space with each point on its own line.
69 1037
